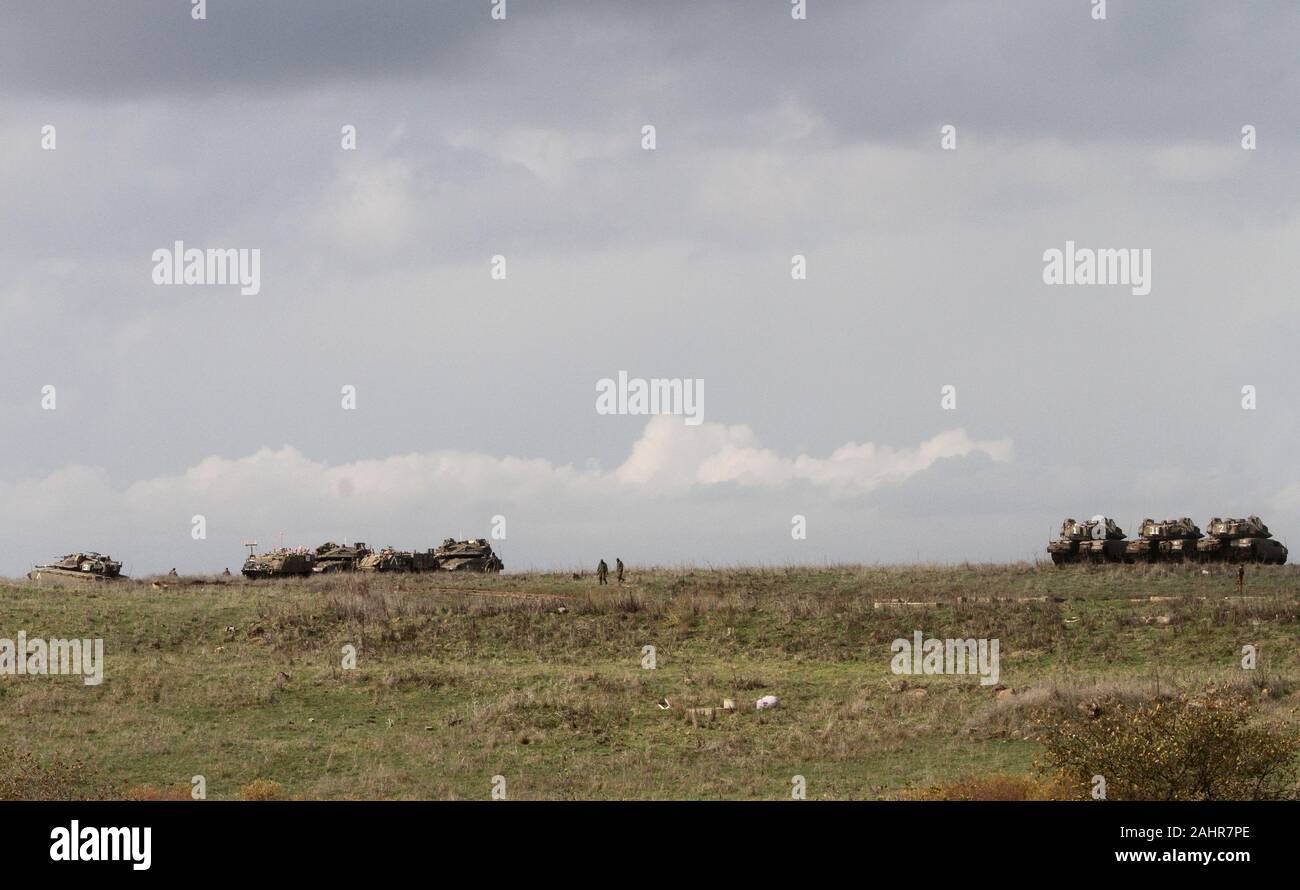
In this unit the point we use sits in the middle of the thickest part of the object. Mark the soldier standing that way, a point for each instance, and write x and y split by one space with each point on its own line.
1241 578
602 572
618 569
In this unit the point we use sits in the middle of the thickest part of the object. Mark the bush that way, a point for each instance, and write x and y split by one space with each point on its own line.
179 791
23 776
1178 749
262 789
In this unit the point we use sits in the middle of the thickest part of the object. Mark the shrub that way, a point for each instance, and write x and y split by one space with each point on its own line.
24 776
262 789
1178 749
179 791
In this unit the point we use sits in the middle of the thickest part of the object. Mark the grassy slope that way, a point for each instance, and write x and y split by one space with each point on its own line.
452 688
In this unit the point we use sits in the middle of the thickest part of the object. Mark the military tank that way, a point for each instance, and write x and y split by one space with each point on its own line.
78 568
1169 540
390 560
1240 540
286 562
331 557
467 556
386 559
1097 540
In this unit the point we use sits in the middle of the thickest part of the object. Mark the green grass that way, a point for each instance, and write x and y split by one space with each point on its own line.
453 687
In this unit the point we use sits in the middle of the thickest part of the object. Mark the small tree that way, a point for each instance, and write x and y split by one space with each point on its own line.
1176 749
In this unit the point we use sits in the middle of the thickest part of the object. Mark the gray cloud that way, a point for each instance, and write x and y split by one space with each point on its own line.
775 137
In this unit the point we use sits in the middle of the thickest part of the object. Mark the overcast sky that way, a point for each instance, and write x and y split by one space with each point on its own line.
523 138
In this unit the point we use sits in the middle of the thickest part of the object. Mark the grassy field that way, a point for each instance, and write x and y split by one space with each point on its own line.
539 678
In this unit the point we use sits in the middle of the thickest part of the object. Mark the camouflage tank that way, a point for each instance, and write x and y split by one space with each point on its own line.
78 568
285 562
467 556
1169 540
386 559
1097 540
331 557
390 560
1240 540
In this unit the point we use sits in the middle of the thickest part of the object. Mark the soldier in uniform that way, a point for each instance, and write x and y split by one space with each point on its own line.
618 569
602 572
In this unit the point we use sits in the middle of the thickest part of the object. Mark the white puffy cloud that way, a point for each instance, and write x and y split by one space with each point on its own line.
670 457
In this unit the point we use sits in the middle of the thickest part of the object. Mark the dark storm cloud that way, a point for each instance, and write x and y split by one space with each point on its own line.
883 70
107 51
